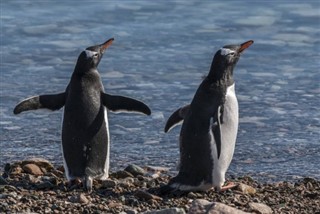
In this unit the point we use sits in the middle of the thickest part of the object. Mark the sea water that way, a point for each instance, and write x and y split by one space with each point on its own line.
161 52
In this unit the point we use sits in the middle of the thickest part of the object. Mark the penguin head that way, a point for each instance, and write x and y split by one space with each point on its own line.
225 59
91 56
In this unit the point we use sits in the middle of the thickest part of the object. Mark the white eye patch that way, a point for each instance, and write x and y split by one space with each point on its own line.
226 51
90 54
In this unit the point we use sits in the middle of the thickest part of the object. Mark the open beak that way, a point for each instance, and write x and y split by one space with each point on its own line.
245 45
105 45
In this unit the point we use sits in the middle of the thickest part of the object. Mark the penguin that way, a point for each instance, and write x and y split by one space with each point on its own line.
85 129
209 127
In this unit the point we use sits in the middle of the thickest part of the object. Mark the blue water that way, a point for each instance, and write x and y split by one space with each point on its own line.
161 51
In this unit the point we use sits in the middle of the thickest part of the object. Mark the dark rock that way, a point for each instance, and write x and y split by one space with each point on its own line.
3 181
135 170
108 183
122 174
44 185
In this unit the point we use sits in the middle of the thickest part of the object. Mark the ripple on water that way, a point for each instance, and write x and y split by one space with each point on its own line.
162 65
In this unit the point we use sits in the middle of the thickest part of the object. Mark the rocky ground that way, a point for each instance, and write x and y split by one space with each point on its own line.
36 186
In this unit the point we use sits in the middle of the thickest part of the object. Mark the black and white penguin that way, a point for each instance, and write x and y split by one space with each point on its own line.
85 131
210 125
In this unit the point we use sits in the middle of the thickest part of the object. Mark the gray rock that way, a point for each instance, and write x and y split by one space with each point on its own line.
135 170
158 168
174 210
44 185
191 195
246 189
122 174
81 198
126 182
109 183
260 208
204 206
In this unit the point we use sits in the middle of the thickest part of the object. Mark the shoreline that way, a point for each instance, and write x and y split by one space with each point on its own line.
37 186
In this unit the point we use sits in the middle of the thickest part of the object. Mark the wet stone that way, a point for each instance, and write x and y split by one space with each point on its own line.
135 170
122 174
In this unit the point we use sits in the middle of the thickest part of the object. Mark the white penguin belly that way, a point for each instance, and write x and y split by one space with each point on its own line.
229 130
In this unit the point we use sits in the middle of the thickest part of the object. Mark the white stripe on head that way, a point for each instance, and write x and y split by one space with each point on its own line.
226 51
90 54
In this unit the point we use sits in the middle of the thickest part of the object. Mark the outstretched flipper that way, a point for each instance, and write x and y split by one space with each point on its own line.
124 104
52 102
176 118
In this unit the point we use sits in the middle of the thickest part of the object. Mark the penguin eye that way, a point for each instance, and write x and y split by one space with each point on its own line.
95 55
226 52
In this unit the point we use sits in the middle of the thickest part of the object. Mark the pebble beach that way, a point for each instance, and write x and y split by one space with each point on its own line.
36 186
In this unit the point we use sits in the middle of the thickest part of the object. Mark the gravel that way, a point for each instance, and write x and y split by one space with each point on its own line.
47 191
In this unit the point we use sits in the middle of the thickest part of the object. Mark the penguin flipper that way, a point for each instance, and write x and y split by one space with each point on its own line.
124 104
216 129
176 118
52 102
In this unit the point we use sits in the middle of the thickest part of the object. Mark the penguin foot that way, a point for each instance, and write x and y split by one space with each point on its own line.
74 184
229 185
88 183
169 191
166 189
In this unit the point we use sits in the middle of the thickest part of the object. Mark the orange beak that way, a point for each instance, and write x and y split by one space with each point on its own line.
105 45
245 45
